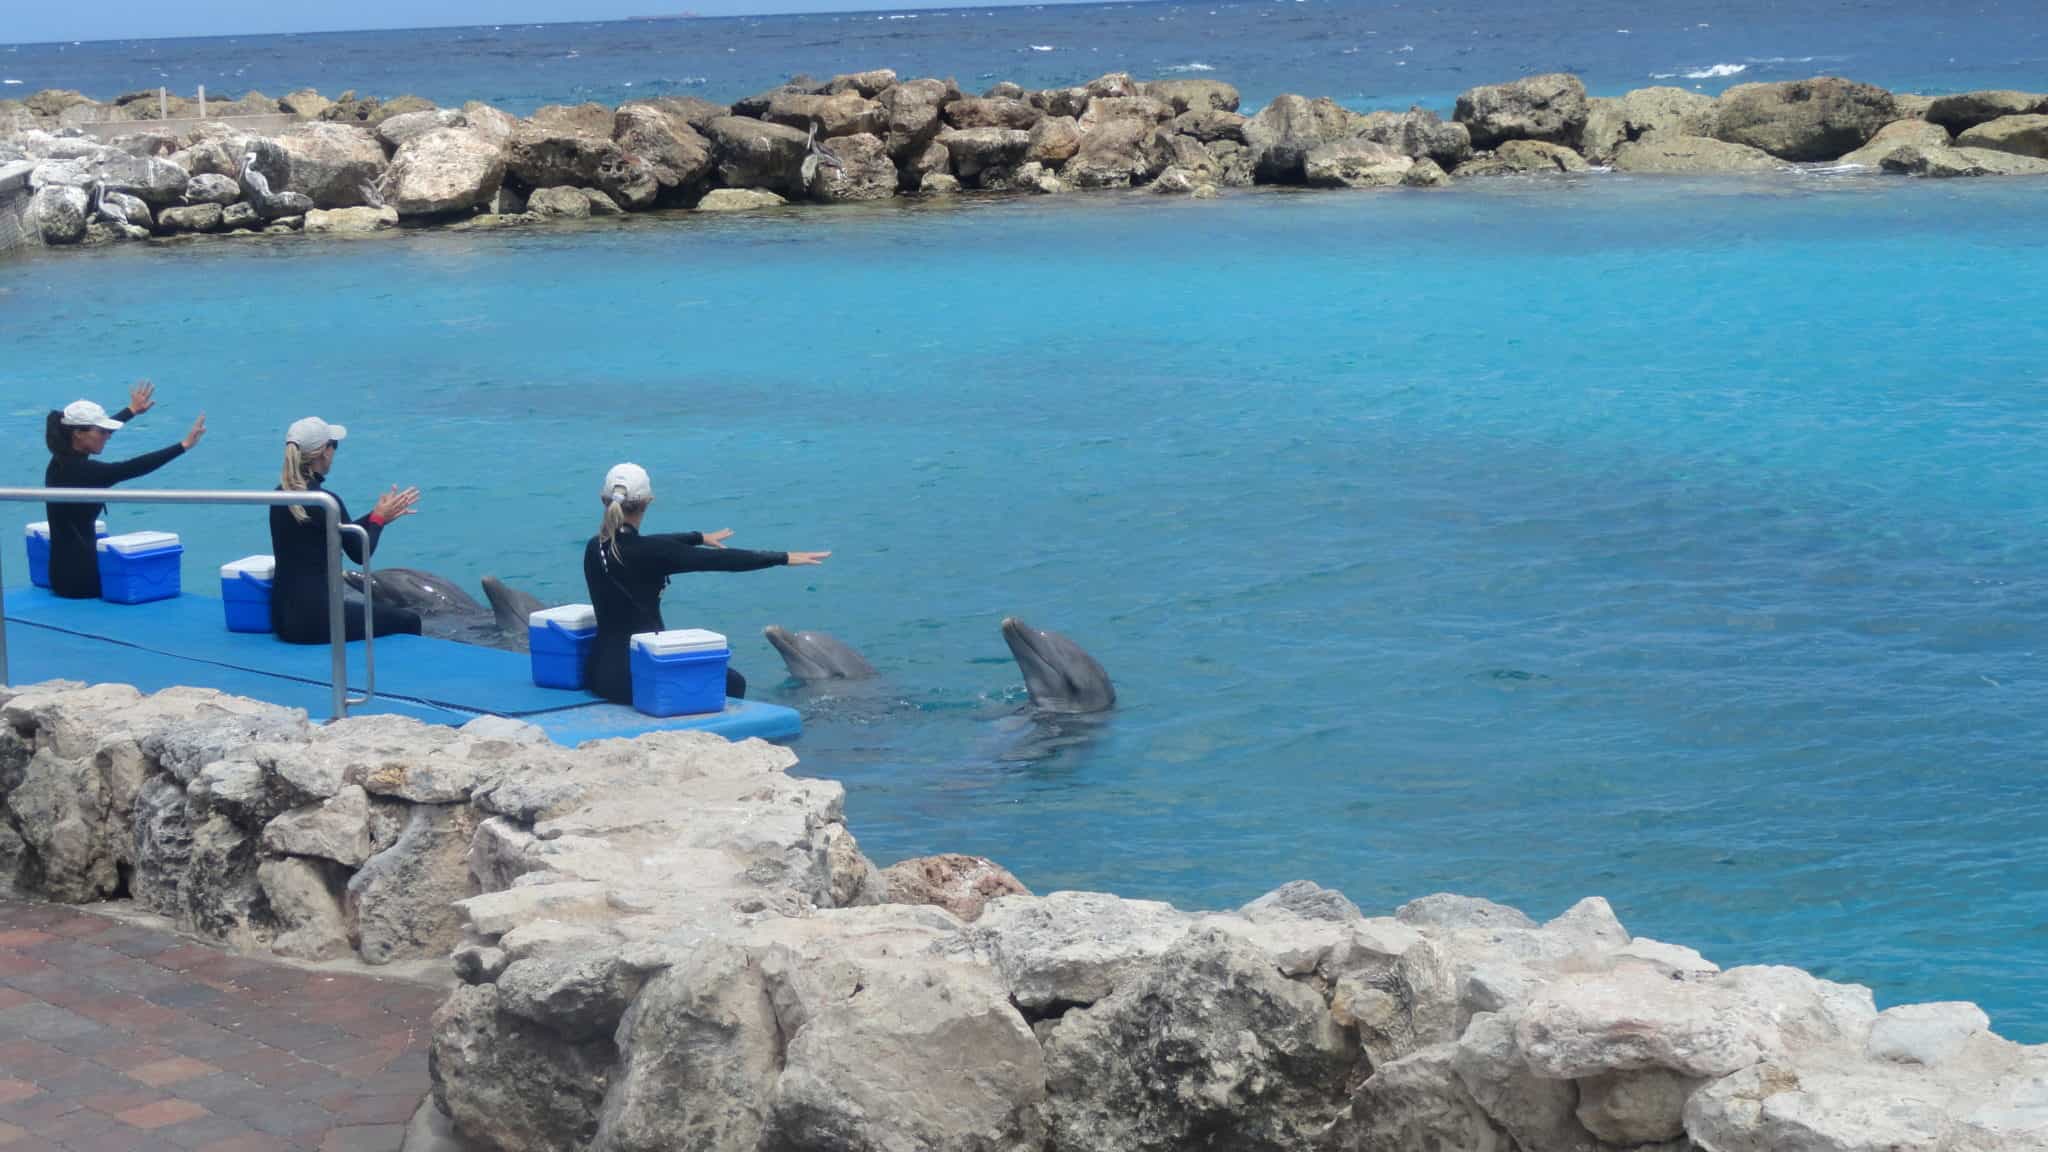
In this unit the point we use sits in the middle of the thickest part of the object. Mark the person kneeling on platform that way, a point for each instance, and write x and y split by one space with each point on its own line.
74 436
628 571
298 540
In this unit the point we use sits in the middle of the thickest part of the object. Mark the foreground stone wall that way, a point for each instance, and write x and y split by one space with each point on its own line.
669 943
15 230
361 164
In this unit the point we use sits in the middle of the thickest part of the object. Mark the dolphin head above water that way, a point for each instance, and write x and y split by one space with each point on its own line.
510 607
1060 675
423 592
817 656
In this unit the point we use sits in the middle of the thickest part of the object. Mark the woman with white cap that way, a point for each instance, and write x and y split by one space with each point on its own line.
627 572
74 436
298 540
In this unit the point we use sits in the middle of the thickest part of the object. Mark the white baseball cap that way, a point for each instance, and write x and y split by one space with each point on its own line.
86 414
312 434
628 483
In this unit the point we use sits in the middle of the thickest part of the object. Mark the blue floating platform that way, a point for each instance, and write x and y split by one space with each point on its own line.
185 640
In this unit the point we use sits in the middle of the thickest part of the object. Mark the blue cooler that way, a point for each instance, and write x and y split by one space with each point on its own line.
38 535
138 567
560 640
245 592
680 672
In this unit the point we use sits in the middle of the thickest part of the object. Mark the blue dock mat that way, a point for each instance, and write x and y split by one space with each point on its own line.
185 641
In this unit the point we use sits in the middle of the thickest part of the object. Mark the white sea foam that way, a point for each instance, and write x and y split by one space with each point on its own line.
10 81
1196 66
1717 71
1040 47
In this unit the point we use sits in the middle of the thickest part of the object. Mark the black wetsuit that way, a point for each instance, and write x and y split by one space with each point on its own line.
626 592
298 596
74 546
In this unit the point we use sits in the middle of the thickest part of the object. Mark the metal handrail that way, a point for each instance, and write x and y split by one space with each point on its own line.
337 623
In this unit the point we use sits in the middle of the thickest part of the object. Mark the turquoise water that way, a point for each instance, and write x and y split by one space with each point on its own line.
1676 543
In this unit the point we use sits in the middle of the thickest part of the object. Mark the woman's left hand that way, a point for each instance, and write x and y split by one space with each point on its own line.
142 397
717 539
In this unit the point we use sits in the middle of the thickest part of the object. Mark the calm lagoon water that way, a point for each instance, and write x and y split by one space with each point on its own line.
1679 543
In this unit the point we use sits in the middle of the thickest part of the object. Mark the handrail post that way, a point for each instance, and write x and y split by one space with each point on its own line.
369 618
337 617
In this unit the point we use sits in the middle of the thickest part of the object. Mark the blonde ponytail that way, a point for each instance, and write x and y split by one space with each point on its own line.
294 478
616 509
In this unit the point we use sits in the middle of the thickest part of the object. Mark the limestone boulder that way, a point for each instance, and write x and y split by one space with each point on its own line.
1614 121
865 171
1413 1103
1552 107
869 84
393 133
1192 95
50 103
508 1084
1806 120
162 847
1898 134
210 188
306 104
739 200
1948 163
1179 181
915 111
337 829
351 220
976 151
1282 135
962 885
1355 163
695 111
1114 85
845 114
1054 141
1417 133
678 155
153 180
1426 174
557 152
1966 110
1490 1069
1925 1033
1207 1044
1535 156
942 1034
331 163
490 123
444 171
1635 1018
59 213
191 218
1005 90
754 154
1112 108
1000 112
401 903
1209 126
303 897
587 119
1635 1108
1061 101
1118 154
1072 947
223 896
2019 135
935 161
1661 153
559 204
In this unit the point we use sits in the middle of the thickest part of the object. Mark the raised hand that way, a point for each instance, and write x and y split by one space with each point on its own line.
394 504
798 558
192 437
142 397
717 539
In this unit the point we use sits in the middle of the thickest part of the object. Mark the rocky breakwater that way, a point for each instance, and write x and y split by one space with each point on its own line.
359 164
670 943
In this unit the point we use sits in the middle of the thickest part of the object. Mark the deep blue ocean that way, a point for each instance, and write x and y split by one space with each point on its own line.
1675 542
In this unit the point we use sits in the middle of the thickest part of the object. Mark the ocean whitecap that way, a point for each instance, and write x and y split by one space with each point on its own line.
1196 66
1039 47
1717 71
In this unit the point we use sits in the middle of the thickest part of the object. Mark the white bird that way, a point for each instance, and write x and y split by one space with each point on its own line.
254 180
371 195
98 203
816 154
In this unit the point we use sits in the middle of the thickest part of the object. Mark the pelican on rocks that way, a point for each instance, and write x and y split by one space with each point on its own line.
256 182
97 204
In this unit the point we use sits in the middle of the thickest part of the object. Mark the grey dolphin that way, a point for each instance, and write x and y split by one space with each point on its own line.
423 592
510 606
817 656
1059 674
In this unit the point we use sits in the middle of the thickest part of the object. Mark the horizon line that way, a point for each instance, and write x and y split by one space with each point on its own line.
650 19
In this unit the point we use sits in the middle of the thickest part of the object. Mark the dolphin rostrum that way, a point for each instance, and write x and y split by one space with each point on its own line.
423 592
817 656
1059 674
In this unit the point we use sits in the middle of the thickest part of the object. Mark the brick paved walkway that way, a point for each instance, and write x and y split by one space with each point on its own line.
121 1038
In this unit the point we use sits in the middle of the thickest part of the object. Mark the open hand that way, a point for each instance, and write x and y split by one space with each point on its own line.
394 504
142 397
717 539
191 439
798 558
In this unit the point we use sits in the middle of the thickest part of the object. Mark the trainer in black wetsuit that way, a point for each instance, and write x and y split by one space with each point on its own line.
298 594
74 436
626 591
628 572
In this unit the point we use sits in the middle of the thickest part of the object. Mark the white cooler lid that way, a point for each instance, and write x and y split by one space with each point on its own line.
261 567
129 543
42 528
678 640
572 617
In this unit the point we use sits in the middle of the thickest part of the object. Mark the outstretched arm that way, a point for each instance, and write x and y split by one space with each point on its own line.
91 473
